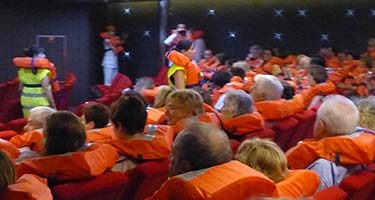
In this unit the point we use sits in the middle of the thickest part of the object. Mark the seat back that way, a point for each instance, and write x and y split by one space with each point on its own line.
304 129
331 193
360 185
62 100
120 82
145 179
284 129
264 133
106 186
17 125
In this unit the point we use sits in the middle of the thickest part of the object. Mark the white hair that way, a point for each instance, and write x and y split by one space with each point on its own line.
339 115
40 113
271 86
242 100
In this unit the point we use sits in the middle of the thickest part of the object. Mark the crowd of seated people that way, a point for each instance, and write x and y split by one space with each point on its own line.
193 127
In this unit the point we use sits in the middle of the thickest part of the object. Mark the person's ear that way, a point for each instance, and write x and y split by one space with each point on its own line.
90 125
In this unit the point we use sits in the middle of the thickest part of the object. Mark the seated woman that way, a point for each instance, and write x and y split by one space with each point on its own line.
238 115
26 187
133 139
65 155
184 106
265 156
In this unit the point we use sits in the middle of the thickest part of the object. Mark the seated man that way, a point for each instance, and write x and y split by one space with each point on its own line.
336 149
266 92
133 139
212 174
34 133
95 119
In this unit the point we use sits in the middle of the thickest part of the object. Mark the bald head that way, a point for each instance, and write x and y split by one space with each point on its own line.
336 116
37 117
266 88
200 145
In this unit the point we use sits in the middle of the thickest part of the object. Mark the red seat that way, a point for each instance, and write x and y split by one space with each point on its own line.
234 144
62 97
119 83
360 185
12 110
6 135
3 127
161 78
304 129
264 133
284 129
331 193
107 186
145 179
17 125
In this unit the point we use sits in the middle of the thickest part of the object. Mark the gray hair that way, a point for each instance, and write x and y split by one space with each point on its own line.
339 115
242 100
270 86
243 65
40 113
203 145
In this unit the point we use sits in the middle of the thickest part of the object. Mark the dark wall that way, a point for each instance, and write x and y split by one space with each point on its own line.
144 49
255 22
21 22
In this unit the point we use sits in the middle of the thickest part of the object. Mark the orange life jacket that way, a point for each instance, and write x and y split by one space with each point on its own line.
154 144
10 148
298 183
290 59
244 124
353 149
32 139
232 180
332 62
155 116
99 135
28 187
192 71
324 88
279 109
208 117
208 108
150 94
73 165
39 63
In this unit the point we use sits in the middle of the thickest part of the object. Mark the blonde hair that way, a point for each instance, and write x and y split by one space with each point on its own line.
190 100
264 156
366 108
8 171
162 95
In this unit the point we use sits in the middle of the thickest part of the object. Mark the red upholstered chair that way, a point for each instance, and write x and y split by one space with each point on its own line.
162 77
3 127
264 133
107 187
145 179
284 129
11 110
234 144
304 129
119 83
360 185
6 135
331 193
17 125
62 97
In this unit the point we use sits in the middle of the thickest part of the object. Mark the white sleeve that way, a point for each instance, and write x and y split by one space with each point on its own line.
170 39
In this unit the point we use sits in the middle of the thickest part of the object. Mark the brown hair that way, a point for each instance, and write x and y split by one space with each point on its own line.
64 133
189 99
162 95
97 113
